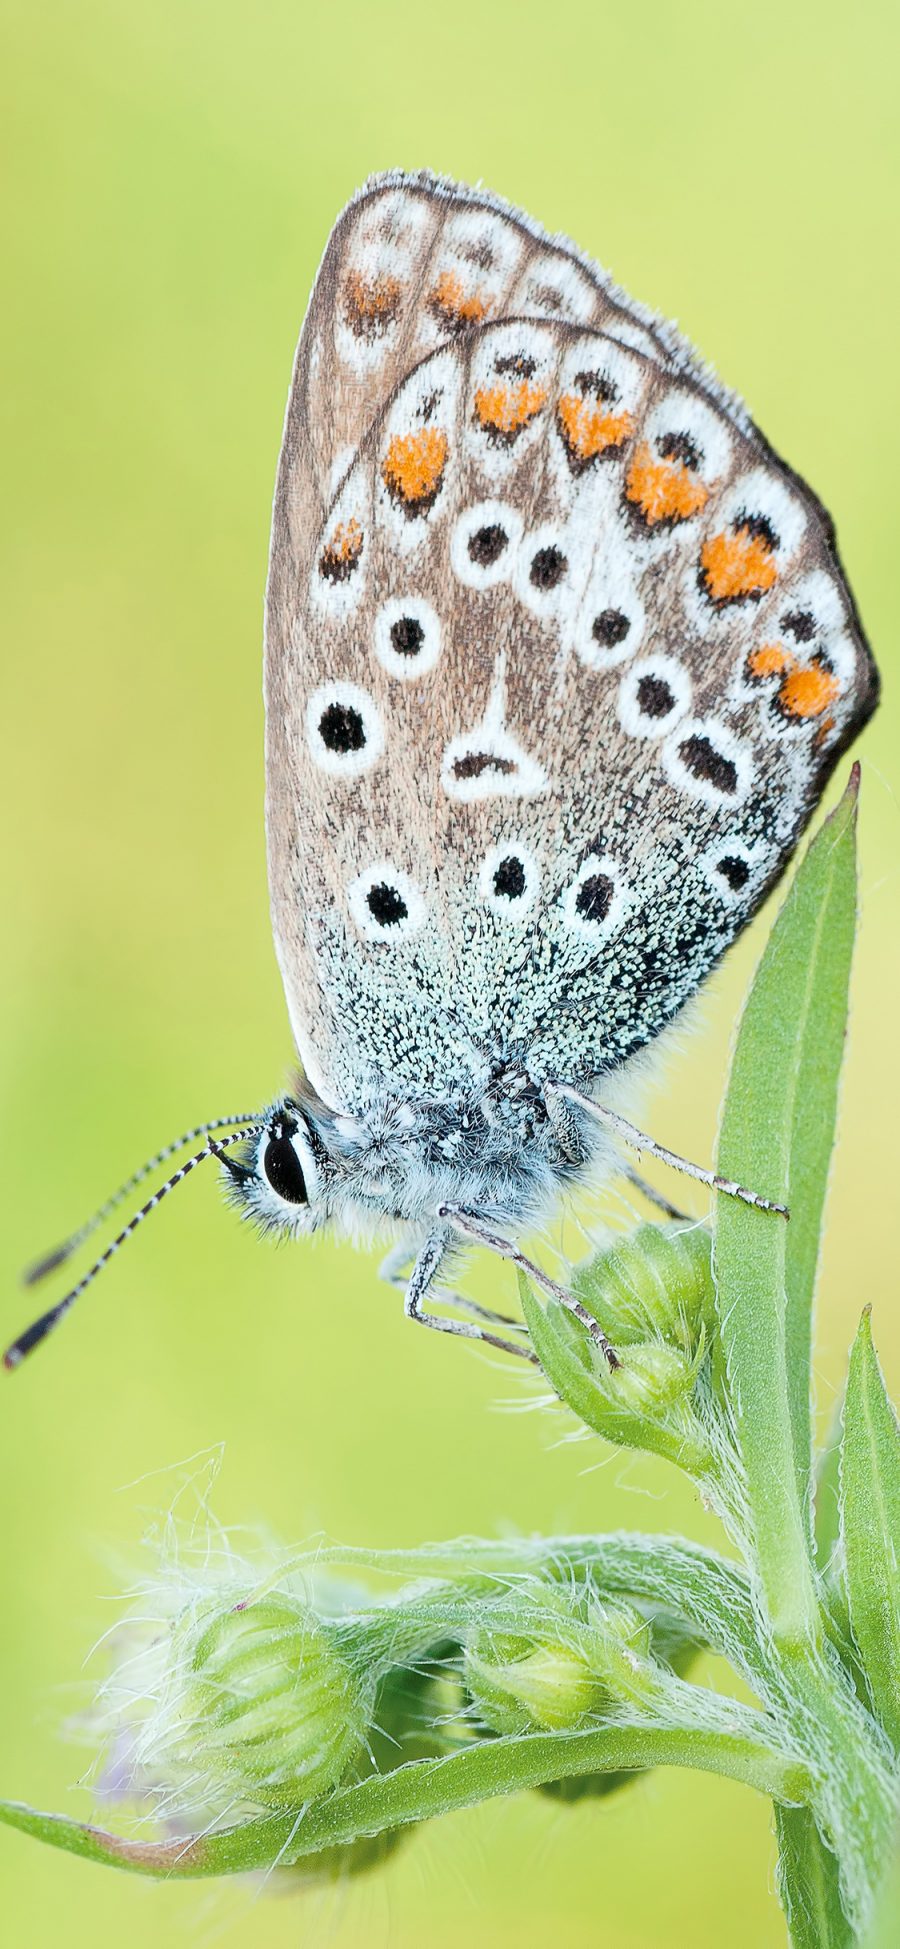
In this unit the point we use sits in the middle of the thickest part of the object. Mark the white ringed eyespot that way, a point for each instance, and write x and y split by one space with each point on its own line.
653 695
343 729
385 903
596 900
407 637
485 544
705 759
509 879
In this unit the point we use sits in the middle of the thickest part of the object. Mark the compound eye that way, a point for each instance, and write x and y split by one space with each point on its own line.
282 1169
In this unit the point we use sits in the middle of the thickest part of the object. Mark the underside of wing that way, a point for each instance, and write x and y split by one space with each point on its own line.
569 662
416 262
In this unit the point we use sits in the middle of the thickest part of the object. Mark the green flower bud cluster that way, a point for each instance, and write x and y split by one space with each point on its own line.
564 1672
653 1285
653 1293
251 1699
262 1703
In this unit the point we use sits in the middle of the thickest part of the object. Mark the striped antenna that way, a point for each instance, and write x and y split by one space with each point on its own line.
60 1253
39 1329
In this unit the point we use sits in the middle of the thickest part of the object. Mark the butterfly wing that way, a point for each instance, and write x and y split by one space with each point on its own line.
568 666
413 262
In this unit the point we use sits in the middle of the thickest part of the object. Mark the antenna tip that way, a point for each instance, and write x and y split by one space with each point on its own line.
36 1332
41 1267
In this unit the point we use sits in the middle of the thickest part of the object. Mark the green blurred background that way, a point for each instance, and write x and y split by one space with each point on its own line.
172 174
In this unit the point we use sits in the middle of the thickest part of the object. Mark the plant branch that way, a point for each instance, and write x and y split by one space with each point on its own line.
709 1593
425 1790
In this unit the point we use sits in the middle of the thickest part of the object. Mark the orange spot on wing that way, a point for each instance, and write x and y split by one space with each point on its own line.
507 409
347 539
589 430
342 551
413 466
663 490
807 693
450 300
371 303
806 689
738 565
770 660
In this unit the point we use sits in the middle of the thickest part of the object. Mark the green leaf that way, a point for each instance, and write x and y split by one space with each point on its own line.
828 1492
776 1137
424 1790
830 1556
808 1883
870 1519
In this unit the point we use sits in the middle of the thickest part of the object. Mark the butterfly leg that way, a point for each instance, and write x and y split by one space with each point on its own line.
395 1270
638 1140
471 1226
421 1279
564 1125
654 1197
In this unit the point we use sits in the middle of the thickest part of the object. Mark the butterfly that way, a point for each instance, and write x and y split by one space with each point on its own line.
559 657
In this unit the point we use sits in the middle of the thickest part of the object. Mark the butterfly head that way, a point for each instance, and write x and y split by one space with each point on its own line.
278 1178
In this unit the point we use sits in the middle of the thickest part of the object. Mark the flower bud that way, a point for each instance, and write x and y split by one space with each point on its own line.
261 1705
621 1652
654 1284
651 1379
519 1683
644 1402
557 1680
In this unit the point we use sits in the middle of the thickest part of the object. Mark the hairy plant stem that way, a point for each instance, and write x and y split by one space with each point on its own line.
854 1788
711 1594
426 1789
